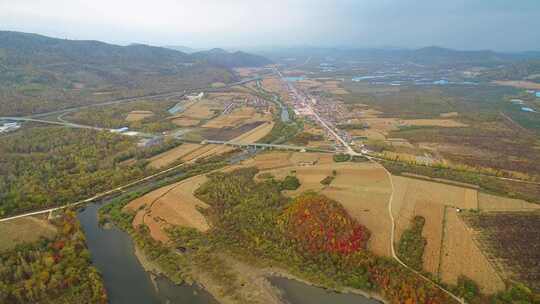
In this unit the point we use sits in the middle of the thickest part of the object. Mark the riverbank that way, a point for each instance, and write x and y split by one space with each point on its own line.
276 272
253 282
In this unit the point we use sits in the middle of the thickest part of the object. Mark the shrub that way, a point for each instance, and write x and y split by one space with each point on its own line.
411 245
290 183
338 158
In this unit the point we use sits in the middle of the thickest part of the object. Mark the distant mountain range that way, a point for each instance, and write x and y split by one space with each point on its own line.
432 55
37 49
221 57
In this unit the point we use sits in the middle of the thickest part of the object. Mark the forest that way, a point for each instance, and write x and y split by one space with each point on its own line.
114 116
52 271
52 166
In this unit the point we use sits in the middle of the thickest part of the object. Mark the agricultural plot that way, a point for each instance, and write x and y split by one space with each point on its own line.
171 205
512 242
24 230
461 255
138 115
449 242
166 158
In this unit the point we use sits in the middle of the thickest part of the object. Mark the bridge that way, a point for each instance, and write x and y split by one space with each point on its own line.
264 146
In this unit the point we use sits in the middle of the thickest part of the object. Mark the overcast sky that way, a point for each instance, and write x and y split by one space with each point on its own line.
506 25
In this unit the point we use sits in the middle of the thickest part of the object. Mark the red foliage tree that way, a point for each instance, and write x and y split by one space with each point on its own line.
319 224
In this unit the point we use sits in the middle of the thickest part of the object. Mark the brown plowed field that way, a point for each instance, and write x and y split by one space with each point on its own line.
461 255
512 242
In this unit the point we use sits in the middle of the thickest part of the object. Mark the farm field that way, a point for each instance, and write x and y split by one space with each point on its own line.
237 117
185 122
461 255
511 241
519 84
450 241
189 151
447 123
171 205
24 230
168 157
202 109
137 115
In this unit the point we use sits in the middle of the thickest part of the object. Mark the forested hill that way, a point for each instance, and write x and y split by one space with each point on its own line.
223 58
40 74
24 48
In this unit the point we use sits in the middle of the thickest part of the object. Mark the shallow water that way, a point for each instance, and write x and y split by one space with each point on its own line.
295 292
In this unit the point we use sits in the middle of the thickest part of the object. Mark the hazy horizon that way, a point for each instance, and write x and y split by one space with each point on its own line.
240 24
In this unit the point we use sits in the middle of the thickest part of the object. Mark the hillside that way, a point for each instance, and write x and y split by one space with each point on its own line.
226 59
40 74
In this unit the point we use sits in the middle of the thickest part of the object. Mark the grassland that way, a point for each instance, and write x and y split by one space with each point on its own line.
24 230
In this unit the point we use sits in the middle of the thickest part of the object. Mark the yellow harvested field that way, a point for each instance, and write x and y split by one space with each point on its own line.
171 205
488 202
237 117
246 72
255 134
185 122
138 115
461 256
369 133
437 203
433 231
23 230
449 114
201 110
168 157
271 160
448 123
519 84
382 125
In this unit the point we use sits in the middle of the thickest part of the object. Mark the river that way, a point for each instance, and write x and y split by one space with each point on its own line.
126 281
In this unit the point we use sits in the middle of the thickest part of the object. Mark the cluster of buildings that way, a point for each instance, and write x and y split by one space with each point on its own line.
9 127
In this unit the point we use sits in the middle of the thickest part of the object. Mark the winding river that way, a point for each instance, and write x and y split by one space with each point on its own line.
126 281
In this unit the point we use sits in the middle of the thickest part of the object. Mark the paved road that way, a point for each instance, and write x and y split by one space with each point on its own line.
68 124
261 145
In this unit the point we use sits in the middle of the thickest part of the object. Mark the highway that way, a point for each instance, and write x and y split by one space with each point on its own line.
71 125
265 146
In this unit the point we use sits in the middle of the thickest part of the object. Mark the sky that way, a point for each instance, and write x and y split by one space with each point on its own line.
502 25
